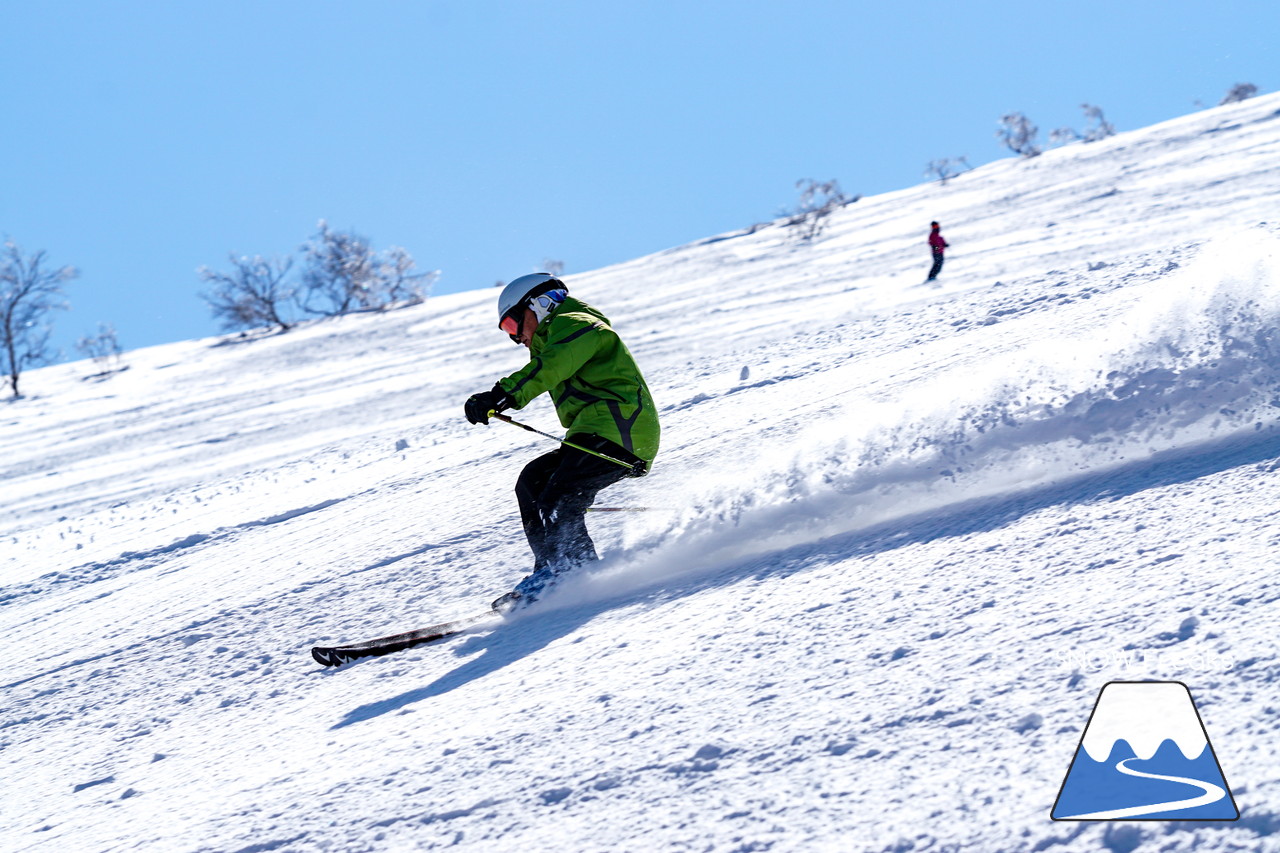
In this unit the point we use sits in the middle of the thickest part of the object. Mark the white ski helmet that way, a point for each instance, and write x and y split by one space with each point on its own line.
525 292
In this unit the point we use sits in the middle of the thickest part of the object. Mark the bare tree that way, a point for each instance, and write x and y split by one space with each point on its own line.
1096 124
1063 136
553 267
1018 134
343 274
1239 92
252 295
103 348
399 285
1096 127
28 294
340 269
818 200
946 168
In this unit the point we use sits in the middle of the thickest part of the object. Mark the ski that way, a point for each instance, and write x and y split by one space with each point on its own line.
338 655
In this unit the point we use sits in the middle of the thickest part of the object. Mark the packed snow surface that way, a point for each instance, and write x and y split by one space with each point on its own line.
898 538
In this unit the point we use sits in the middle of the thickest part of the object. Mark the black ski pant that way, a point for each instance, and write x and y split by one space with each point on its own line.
937 265
554 492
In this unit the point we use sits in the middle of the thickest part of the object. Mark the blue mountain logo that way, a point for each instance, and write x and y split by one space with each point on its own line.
1145 755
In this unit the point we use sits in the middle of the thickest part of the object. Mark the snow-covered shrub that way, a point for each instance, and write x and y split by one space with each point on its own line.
343 273
1239 92
818 200
1096 124
103 348
1018 134
1096 127
947 168
1063 136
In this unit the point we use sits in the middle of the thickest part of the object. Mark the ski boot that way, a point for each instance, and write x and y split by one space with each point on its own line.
507 602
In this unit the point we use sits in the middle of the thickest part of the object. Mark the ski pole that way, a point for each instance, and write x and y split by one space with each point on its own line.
625 509
637 469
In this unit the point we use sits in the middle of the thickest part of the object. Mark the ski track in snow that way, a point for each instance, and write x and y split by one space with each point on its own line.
901 537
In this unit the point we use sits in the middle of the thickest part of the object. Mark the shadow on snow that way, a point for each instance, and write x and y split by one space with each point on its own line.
509 643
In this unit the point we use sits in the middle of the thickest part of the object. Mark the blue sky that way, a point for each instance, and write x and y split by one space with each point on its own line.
143 140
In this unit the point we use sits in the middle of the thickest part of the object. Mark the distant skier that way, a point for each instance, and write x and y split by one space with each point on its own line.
938 245
603 404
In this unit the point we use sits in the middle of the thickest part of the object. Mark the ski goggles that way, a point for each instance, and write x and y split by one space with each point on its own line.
510 324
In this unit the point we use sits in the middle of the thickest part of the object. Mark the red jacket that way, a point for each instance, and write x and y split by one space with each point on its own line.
936 242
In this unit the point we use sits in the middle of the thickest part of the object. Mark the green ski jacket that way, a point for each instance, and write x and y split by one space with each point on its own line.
593 380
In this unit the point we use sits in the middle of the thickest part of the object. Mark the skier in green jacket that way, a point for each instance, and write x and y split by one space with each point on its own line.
603 404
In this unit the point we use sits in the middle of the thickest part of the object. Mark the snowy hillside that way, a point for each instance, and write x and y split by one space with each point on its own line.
902 536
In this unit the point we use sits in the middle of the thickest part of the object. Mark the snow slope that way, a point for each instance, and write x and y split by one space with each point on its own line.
902 535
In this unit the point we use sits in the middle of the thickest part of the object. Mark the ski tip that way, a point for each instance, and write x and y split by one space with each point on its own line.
328 657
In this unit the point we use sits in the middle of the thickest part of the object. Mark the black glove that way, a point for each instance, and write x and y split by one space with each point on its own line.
480 405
